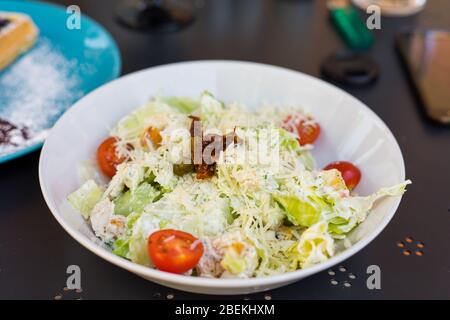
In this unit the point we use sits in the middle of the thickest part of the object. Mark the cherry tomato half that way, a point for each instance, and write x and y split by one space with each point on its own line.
350 173
174 251
107 157
305 128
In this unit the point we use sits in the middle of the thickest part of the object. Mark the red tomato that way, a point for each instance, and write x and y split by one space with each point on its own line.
174 251
107 157
305 128
350 173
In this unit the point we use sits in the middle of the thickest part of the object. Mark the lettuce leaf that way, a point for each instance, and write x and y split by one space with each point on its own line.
315 245
288 140
240 259
299 212
135 201
143 227
134 124
183 104
85 198
360 207
121 246
210 107
233 263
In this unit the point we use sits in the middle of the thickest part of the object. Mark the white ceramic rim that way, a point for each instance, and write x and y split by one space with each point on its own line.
214 282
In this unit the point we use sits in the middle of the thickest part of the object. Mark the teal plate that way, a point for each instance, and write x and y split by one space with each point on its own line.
63 65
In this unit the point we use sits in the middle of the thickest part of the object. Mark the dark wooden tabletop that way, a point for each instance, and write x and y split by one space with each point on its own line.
35 251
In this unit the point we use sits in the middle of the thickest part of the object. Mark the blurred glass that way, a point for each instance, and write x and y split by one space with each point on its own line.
394 7
156 15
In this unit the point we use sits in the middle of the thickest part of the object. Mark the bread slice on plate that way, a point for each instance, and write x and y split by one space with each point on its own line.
18 33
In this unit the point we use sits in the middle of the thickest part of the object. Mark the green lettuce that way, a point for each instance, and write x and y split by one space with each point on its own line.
185 105
288 140
135 201
233 263
133 125
137 245
121 246
85 198
360 207
364 204
299 212
315 245
210 107
237 261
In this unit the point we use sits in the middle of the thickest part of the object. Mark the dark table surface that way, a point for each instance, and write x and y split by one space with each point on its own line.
35 251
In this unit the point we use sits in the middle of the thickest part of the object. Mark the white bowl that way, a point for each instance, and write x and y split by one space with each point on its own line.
350 131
